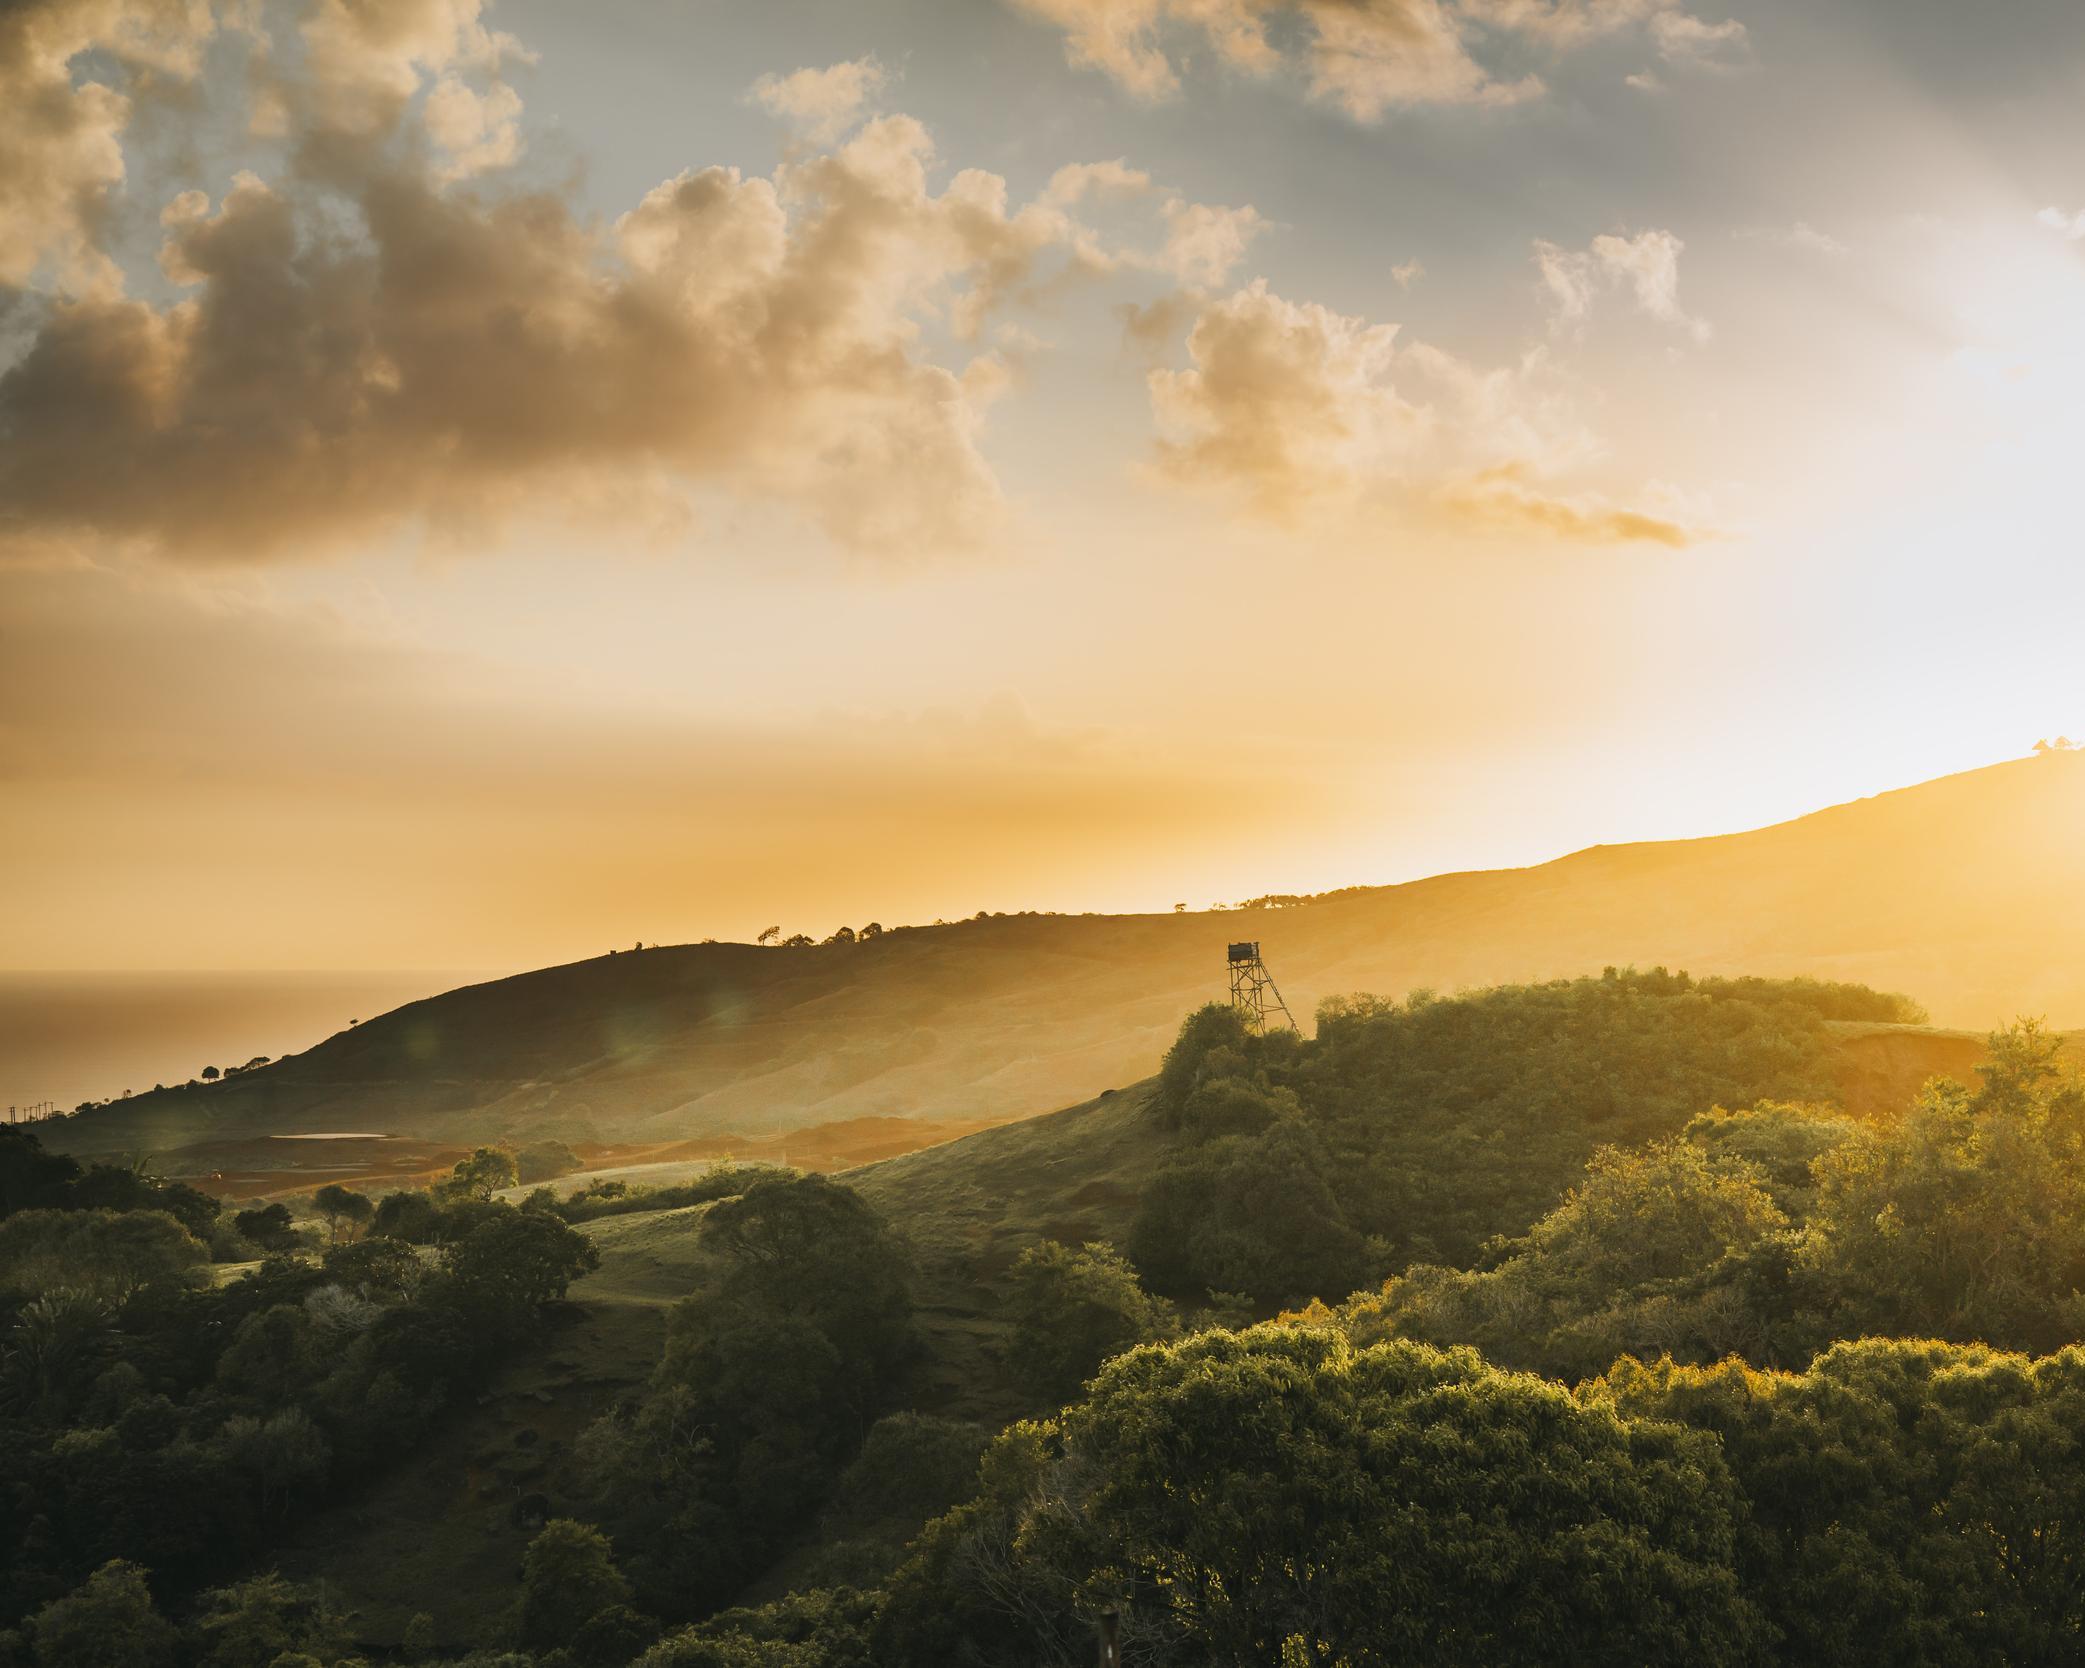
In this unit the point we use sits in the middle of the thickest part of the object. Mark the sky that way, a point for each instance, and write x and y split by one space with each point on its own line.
485 482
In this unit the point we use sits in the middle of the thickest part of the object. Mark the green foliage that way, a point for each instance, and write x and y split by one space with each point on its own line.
1228 1496
112 1255
33 1179
812 1247
542 1161
485 1172
279 1456
1780 1141
825 1628
619 1198
515 1261
568 1577
912 1468
178 1428
1966 1220
58 1342
1769 1233
30 1178
1073 1309
408 1215
271 1356
416 1644
1907 1502
254 1624
765 1384
1206 1032
271 1227
1640 1257
342 1208
108 1622
1253 1214
376 1267
1416 1132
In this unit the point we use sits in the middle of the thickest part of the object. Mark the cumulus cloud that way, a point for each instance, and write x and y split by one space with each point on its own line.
1369 56
363 60
1301 410
381 341
823 103
61 144
1206 241
471 356
1365 56
476 131
1687 41
1647 266
1562 24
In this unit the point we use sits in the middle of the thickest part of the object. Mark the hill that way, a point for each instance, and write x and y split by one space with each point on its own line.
1964 892
443 1536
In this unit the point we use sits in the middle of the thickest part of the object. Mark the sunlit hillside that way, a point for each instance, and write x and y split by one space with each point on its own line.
1964 893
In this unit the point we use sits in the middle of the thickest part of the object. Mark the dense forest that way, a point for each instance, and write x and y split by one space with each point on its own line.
1545 1324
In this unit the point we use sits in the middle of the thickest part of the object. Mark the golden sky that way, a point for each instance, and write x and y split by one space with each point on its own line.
480 483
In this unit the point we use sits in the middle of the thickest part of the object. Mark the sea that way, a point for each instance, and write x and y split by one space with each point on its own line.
70 1037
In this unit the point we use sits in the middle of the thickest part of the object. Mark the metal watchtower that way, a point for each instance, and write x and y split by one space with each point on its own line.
1253 991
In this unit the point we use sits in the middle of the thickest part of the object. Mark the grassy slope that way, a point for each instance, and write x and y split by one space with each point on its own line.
438 1536
1964 892
970 1207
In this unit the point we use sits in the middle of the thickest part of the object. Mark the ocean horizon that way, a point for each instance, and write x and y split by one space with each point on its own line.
68 1037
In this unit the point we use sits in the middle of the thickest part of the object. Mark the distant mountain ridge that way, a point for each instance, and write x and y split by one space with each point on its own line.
1967 893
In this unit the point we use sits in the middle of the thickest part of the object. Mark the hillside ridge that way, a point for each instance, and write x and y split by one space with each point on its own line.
1963 892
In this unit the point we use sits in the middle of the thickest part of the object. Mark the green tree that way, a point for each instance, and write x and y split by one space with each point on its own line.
767 1379
254 1623
1907 1501
812 1247
1217 1029
1255 1214
377 1267
1073 1309
485 1172
409 1215
516 1260
1966 1219
108 1622
57 1344
912 1467
416 1644
112 1255
278 1455
542 1161
338 1206
271 1227
30 1177
271 1357
1261 1492
1657 1249
568 1577
1780 1141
